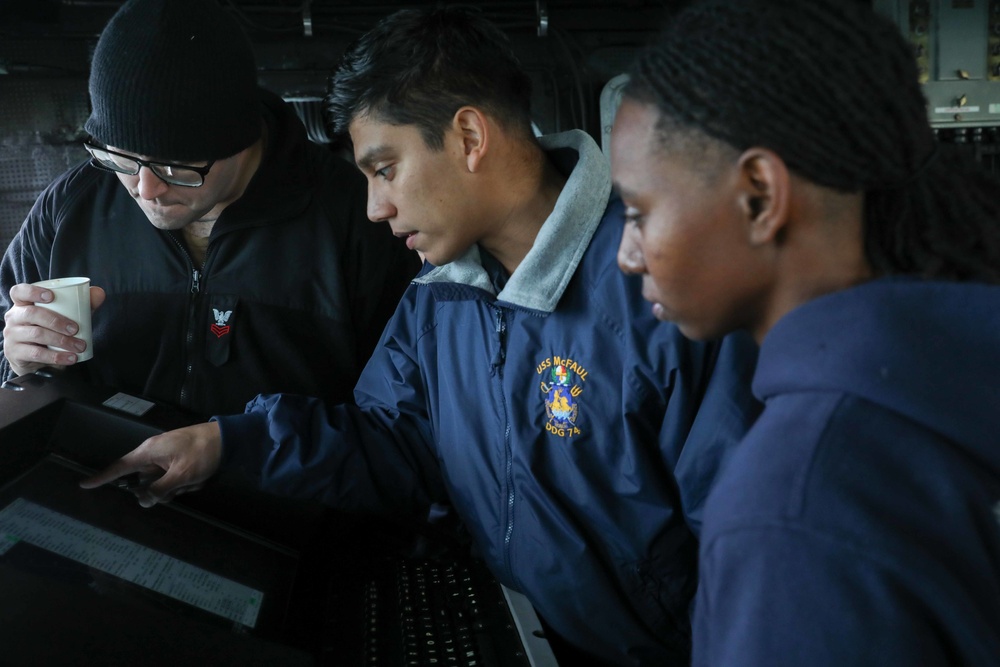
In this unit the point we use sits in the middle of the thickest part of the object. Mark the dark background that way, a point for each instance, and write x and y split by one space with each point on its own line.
570 48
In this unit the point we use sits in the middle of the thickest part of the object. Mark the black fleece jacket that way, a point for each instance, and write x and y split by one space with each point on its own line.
296 286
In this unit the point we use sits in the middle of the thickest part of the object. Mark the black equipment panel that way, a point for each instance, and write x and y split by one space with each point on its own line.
336 589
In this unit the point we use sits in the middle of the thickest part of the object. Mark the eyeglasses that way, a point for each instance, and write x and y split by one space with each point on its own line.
175 174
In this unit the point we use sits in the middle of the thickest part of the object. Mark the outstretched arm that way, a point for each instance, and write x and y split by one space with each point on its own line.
167 464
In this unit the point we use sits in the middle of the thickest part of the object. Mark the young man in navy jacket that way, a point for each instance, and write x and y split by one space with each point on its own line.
522 380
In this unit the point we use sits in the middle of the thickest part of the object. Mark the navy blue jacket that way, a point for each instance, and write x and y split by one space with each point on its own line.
859 522
574 434
307 281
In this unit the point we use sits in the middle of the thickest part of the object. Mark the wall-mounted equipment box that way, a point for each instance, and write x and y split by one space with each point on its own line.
957 47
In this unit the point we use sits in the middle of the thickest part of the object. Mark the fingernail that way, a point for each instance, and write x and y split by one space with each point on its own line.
80 346
46 296
71 329
72 358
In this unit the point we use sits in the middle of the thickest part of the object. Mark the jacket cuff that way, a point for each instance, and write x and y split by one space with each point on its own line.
245 443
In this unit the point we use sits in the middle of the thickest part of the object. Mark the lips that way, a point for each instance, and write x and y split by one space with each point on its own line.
157 203
409 236
650 295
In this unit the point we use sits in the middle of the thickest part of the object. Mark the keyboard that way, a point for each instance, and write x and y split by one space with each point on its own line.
421 613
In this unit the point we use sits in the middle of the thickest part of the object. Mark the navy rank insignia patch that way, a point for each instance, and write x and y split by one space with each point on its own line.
220 328
562 385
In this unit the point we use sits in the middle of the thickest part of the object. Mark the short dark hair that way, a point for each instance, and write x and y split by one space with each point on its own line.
831 87
418 67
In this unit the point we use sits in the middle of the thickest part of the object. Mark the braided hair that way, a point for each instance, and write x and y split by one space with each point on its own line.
832 88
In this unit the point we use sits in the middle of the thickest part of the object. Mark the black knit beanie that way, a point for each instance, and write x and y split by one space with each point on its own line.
174 80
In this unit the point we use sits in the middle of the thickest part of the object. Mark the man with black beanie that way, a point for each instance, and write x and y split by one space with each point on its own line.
259 273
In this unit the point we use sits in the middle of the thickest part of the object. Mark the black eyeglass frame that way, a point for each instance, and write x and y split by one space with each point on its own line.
149 164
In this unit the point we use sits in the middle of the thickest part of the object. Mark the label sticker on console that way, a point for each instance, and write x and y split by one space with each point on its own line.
130 404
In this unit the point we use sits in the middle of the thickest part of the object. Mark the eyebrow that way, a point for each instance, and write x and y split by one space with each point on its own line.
146 158
367 161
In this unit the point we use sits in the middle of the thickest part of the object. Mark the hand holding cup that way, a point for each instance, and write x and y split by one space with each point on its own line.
50 323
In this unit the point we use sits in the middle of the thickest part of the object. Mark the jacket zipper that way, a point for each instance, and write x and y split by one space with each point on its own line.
189 338
498 363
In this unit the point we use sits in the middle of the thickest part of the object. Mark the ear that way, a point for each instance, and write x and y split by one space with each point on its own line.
764 196
471 124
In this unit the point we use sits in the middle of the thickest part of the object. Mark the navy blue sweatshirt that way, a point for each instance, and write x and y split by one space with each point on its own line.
859 521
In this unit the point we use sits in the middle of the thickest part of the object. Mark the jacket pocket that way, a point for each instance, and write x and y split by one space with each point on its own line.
222 322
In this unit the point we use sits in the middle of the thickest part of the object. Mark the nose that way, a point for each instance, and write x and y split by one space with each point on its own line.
150 185
379 207
630 252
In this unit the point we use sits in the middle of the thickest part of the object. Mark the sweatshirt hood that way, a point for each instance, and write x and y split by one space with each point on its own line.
927 350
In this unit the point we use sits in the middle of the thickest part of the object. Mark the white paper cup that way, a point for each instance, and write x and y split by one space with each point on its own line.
72 300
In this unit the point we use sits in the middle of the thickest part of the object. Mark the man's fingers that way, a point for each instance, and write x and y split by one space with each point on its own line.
126 465
39 326
160 492
39 337
97 297
24 294
29 330
48 319
172 483
185 458
26 312
107 475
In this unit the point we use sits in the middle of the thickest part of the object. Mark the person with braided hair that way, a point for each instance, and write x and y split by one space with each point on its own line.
780 176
